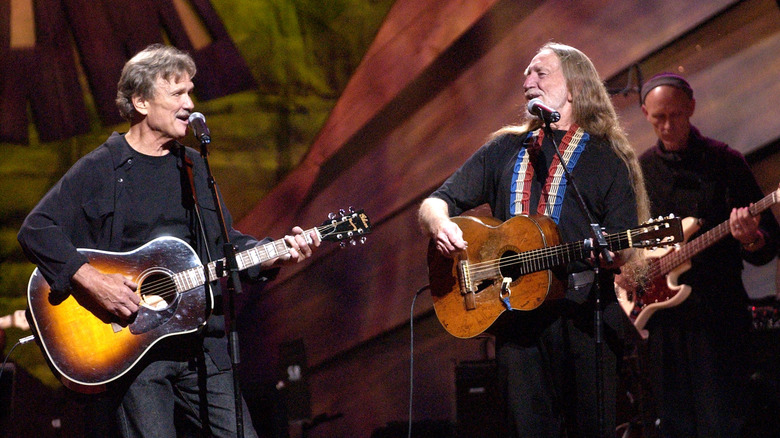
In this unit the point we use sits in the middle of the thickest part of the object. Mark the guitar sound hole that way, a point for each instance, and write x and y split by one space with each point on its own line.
509 266
157 290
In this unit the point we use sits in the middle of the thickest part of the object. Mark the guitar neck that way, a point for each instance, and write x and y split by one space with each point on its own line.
254 256
675 258
347 227
550 257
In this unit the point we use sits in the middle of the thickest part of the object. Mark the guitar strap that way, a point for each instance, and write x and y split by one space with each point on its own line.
551 198
188 165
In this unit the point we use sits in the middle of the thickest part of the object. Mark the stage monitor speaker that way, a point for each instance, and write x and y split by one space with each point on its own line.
293 384
480 410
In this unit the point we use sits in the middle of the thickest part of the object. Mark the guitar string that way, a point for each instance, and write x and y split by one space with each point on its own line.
164 289
539 254
665 264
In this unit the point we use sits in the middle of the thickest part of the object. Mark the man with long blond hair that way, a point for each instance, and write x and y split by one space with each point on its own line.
546 357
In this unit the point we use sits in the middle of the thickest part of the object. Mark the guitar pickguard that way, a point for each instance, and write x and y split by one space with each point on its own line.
149 319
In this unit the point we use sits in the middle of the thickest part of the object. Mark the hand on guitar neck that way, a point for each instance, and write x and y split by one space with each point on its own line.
619 259
300 244
744 227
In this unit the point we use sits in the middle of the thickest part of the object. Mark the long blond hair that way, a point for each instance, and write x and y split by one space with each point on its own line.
593 111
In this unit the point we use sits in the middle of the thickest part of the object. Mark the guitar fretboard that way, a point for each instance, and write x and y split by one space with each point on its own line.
674 259
195 277
547 258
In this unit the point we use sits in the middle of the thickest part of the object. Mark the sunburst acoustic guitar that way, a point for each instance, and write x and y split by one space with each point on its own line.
87 349
508 266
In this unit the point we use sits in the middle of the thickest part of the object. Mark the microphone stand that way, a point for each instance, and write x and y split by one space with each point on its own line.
598 245
233 286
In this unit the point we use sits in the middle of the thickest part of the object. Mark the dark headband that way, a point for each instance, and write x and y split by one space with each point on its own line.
670 79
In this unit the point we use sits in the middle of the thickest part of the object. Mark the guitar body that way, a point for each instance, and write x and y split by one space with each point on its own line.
464 314
86 347
661 291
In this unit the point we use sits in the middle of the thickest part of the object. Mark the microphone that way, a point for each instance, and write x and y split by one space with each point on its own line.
544 112
199 128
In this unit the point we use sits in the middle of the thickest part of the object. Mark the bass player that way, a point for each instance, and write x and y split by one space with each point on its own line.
699 348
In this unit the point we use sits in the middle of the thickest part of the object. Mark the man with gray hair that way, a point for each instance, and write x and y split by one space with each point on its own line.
130 190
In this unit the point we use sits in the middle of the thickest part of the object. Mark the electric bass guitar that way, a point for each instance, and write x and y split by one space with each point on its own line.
507 266
88 348
660 288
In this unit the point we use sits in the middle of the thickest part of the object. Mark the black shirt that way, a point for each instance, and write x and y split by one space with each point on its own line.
154 201
103 196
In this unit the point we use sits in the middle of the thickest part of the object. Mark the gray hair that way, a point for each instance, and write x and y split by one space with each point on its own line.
140 74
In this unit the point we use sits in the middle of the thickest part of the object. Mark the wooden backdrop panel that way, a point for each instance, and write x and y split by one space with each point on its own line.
734 78
424 99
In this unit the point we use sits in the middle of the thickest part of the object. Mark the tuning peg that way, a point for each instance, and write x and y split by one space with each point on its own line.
363 239
342 244
352 242
331 216
342 212
351 209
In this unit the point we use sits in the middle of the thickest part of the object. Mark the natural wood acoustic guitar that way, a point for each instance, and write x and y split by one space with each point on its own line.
509 266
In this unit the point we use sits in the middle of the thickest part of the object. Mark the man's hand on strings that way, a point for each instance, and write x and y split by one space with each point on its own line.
449 239
112 292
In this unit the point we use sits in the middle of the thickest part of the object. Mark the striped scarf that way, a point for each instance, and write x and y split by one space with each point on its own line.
551 199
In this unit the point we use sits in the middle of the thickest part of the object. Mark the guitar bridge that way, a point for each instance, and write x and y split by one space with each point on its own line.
466 285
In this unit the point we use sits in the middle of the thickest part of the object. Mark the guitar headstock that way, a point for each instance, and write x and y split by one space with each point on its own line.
346 226
662 231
